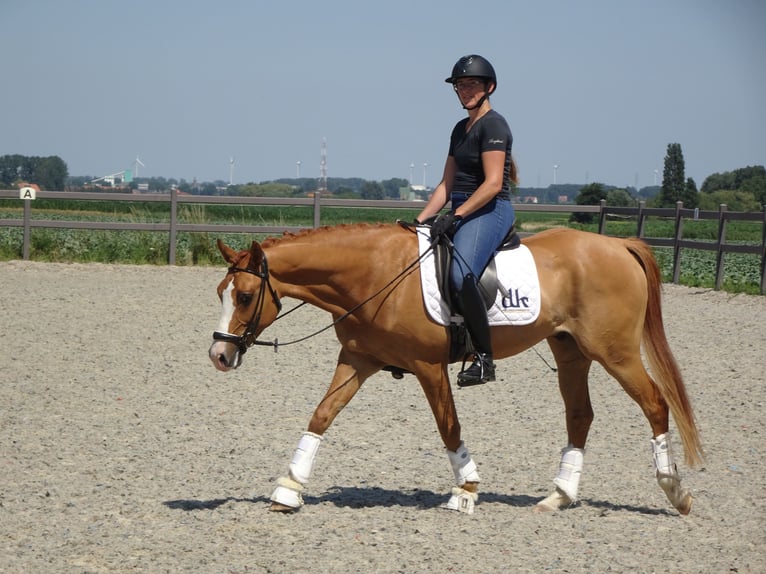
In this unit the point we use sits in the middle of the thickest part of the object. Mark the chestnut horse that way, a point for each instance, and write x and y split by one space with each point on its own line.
600 300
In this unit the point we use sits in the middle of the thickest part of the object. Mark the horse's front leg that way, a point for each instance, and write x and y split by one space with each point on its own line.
434 379
350 373
573 368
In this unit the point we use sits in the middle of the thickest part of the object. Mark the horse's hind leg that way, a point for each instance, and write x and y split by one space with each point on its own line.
632 375
573 368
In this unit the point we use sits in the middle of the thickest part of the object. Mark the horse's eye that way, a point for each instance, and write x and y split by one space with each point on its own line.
244 299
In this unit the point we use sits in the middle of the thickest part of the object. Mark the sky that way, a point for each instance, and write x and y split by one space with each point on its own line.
598 88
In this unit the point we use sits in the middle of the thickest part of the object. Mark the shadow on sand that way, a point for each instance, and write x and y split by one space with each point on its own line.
372 497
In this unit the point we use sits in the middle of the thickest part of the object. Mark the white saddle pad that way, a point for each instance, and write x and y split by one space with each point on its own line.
517 304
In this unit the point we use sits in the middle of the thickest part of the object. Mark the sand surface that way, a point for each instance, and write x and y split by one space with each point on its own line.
123 450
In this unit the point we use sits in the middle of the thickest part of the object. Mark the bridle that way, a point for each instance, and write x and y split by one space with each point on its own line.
248 338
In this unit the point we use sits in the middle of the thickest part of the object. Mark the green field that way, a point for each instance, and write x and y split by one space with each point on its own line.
742 271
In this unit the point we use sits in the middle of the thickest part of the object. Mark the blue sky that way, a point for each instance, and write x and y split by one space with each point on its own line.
597 87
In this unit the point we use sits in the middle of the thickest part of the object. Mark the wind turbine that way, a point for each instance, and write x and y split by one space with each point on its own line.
135 166
231 170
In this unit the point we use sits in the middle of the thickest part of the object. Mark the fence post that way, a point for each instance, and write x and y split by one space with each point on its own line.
602 216
317 208
763 253
719 251
27 229
676 244
173 226
641 218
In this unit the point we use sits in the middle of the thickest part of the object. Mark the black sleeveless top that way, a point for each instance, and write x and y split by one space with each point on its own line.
490 133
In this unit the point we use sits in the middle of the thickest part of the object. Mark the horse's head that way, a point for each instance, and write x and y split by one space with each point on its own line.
249 305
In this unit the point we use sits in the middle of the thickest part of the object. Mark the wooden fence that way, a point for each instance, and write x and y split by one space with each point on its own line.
173 226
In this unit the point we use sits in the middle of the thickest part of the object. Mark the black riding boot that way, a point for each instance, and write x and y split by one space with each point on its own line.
482 369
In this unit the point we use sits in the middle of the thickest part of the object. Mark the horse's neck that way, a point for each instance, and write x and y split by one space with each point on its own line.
315 274
336 272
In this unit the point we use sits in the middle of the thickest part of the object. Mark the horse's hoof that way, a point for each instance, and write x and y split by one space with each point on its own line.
686 505
555 501
462 500
540 507
283 508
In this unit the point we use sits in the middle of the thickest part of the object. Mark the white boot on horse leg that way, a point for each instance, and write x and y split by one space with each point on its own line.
567 481
463 497
287 496
667 474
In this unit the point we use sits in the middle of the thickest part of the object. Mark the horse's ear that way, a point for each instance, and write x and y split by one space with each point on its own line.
256 257
228 253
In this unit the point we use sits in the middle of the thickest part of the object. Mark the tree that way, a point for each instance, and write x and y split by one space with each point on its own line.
732 180
372 190
10 166
591 194
749 180
757 187
620 198
391 186
673 185
690 196
50 173
734 200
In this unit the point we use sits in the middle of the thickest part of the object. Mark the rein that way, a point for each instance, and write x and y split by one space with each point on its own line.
247 339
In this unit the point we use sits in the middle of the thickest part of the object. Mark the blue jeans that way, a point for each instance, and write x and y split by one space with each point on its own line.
477 237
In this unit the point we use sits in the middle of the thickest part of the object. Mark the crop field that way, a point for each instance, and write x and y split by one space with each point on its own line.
741 271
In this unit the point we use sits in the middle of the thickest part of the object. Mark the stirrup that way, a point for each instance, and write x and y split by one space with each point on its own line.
481 371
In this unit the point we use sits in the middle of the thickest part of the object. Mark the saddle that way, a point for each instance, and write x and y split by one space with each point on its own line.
460 340
489 285
488 282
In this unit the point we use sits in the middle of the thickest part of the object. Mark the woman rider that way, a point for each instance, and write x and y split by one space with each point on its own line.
477 179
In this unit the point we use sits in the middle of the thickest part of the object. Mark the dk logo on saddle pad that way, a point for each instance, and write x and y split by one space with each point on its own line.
517 301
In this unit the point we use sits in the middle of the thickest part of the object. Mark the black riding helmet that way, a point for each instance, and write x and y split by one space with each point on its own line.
474 66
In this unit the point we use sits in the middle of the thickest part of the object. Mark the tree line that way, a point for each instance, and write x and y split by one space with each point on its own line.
743 189
50 173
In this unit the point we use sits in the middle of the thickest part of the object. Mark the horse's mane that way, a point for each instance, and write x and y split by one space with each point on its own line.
303 233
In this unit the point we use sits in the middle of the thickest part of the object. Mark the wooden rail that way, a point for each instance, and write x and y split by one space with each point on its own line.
173 226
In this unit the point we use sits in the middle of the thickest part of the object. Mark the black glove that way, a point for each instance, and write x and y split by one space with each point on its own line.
445 226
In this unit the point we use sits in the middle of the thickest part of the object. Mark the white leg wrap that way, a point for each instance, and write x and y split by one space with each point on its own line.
667 474
303 459
289 488
663 457
570 470
463 465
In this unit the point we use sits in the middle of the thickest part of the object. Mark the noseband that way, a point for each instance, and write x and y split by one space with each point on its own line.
248 338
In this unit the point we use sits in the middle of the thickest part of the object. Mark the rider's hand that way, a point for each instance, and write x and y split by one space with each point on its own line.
445 226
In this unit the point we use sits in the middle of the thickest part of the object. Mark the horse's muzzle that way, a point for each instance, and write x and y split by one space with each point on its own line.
225 355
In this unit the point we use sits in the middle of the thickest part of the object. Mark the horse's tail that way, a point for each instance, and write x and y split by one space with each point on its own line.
663 364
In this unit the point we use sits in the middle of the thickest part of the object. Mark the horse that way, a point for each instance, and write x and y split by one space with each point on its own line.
600 301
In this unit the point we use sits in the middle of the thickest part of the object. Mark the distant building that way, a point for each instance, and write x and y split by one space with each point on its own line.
413 193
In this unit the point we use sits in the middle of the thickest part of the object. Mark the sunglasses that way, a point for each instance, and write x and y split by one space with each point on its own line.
462 85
